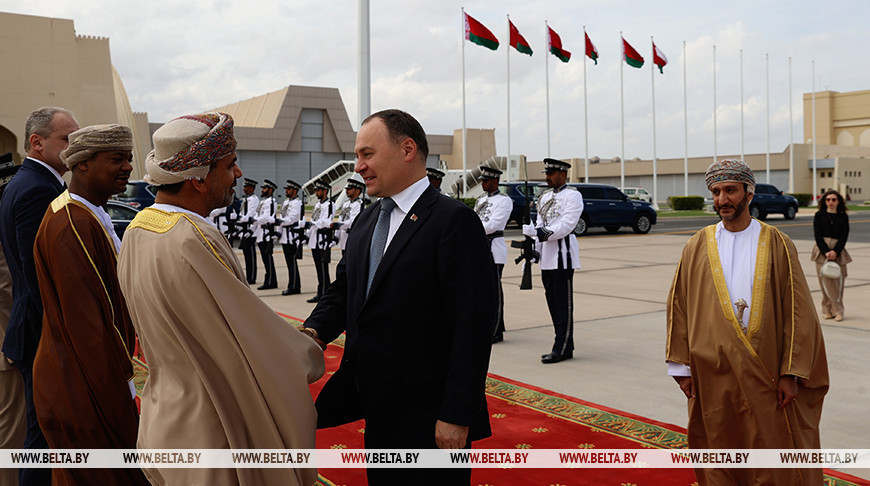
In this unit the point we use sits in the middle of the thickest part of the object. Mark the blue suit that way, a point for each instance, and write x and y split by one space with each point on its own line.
25 201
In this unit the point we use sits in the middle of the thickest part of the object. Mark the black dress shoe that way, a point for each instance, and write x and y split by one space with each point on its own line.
555 357
314 299
267 287
251 282
290 292
497 338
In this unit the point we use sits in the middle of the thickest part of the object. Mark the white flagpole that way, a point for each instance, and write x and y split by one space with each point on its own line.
364 81
767 75
547 77
685 128
790 134
652 72
508 55
815 187
464 129
715 131
585 113
621 117
742 152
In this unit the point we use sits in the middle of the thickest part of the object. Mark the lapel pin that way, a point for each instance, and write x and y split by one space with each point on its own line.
413 217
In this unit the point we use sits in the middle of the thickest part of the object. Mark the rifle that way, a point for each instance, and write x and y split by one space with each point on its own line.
528 244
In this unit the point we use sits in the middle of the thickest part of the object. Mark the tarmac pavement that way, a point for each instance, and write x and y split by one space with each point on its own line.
619 332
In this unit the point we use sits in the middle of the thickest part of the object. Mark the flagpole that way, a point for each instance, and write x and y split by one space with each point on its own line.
742 152
715 131
685 128
464 129
585 113
767 76
790 134
652 78
815 187
621 118
364 86
547 77
508 54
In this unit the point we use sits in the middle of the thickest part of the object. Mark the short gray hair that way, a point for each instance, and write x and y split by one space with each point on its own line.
39 122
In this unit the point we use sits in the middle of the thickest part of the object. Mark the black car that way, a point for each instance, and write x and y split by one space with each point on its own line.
608 207
138 194
768 199
121 215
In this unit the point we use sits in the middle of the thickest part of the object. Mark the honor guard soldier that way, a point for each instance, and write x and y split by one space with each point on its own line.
320 236
559 210
265 232
349 210
290 237
435 176
225 219
494 209
247 218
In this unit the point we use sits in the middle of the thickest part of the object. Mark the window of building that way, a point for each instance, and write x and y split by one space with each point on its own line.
312 130
822 175
831 174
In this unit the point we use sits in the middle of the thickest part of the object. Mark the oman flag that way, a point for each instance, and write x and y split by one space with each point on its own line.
631 56
517 41
478 34
659 58
591 51
554 42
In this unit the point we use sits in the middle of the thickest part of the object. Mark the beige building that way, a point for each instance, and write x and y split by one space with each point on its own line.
47 64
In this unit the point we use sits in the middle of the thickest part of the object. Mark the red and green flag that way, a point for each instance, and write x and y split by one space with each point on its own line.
591 51
478 34
631 56
517 40
659 58
554 43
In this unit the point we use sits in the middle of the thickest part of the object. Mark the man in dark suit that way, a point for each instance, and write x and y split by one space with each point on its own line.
25 200
416 372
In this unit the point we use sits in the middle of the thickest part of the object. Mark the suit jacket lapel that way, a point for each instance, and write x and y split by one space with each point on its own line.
413 221
39 169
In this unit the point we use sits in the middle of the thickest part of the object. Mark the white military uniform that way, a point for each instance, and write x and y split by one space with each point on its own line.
321 217
290 214
559 212
265 216
350 209
494 209
248 214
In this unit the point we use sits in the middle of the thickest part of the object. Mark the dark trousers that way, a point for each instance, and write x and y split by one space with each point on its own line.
322 268
292 267
559 290
266 248
499 328
34 438
250 251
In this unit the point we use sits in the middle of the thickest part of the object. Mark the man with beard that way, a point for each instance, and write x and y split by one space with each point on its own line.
247 219
83 374
264 232
744 340
226 372
291 215
320 237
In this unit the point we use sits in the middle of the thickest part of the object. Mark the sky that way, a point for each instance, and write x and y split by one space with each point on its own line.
176 57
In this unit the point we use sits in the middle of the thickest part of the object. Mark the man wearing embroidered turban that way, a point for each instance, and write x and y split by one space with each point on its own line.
83 374
743 338
225 370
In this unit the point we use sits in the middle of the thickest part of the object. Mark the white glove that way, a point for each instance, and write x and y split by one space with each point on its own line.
529 230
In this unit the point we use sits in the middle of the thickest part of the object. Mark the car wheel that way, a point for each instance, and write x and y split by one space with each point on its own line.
790 212
756 213
642 224
582 226
612 229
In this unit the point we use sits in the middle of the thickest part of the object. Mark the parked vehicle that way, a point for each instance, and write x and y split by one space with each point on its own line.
138 194
608 207
769 199
637 193
122 214
515 190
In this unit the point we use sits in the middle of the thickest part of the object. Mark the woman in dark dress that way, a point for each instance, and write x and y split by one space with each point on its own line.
831 229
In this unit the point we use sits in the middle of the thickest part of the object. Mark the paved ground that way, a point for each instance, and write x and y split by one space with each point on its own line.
619 317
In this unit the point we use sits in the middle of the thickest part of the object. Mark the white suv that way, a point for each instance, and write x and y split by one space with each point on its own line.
637 193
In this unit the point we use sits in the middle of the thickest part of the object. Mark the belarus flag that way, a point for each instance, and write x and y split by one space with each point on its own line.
591 51
631 56
480 35
659 58
554 42
517 40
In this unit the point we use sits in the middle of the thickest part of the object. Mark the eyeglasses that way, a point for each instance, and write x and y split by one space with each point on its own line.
831 199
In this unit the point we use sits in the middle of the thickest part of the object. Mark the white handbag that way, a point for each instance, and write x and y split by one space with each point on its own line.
831 270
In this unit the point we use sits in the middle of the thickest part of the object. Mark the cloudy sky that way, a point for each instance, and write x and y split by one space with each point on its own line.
181 56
